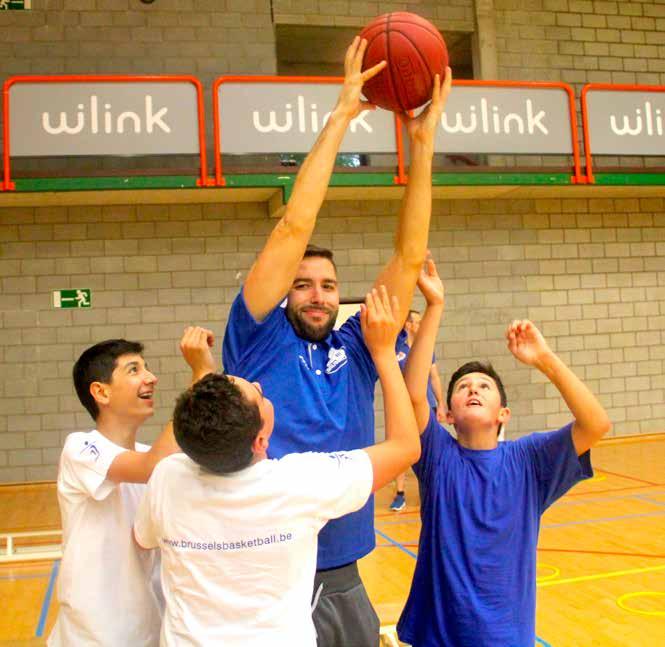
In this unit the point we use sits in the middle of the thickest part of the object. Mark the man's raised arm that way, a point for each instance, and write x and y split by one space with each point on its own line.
401 273
273 272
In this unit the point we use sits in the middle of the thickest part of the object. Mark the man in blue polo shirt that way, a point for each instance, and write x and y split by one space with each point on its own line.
475 579
320 380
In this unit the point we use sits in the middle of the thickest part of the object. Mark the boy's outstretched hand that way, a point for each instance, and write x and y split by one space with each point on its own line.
195 347
379 317
430 284
527 343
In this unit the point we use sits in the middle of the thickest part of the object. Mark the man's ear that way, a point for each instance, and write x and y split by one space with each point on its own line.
450 419
100 392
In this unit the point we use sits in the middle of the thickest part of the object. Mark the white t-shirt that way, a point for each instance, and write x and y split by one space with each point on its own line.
108 588
239 551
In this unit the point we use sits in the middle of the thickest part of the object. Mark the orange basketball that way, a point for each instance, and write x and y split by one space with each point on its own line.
414 50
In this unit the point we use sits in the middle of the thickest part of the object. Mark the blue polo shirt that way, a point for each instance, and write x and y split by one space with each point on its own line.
323 395
475 578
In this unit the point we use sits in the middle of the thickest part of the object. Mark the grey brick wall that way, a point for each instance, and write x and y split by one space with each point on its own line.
581 41
589 272
453 15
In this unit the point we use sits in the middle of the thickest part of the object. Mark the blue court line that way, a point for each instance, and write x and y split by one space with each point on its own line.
47 598
395 543
584 522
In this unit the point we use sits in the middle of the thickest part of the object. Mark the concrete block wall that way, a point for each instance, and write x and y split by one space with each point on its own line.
581 41
589 272
201 37
204 38
453 15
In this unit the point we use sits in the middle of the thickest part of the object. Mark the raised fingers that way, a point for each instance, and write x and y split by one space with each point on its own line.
373 71
350 54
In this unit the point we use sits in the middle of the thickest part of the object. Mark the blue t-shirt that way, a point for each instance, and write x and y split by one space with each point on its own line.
475 578
403 350
323 395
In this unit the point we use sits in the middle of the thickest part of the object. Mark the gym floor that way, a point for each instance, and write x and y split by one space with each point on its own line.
601 556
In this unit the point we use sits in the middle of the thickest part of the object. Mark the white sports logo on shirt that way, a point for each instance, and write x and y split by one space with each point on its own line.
336 359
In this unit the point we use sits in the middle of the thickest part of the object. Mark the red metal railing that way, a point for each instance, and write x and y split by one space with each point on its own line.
8 185
585 115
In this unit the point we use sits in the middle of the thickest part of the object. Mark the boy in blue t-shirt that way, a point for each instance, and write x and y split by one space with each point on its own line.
474 583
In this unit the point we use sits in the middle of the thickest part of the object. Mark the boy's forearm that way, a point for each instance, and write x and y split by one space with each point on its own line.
419 361
399 418
165 444
436 385
136 467
591 420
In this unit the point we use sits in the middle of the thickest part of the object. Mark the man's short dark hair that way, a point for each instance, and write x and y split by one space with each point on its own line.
315 250
476 367
215 425
96 364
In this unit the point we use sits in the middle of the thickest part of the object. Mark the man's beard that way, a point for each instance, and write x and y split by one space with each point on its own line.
307 331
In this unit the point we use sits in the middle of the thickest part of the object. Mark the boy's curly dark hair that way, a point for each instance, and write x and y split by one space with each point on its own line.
215 425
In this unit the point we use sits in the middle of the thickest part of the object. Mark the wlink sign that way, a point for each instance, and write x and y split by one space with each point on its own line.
511 120
288 117
103 118
626 122
265 117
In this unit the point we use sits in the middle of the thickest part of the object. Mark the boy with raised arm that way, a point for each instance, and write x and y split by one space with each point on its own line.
108 591
475 577
237 530
320 379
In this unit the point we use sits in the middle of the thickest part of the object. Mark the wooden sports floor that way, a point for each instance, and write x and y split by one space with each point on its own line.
601 556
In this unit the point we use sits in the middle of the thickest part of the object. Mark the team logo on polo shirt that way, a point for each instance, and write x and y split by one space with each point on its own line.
336 359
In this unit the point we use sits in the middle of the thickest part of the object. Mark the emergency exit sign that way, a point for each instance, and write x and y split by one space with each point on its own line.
80 298
15 4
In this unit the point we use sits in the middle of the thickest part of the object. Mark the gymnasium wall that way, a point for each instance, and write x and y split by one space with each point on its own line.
581 41
591 272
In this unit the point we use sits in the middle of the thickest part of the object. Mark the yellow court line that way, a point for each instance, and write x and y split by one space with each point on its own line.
601 576
621 602
545 578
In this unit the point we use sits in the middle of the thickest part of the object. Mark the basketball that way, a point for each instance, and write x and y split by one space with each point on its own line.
414 51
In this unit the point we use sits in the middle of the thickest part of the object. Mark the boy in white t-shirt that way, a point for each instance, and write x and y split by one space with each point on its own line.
109 592
238 531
